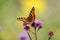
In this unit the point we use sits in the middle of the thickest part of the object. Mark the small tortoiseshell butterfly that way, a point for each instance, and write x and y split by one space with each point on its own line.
30 19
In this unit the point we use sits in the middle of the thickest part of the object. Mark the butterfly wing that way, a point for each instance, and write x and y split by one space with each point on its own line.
30 18
23 19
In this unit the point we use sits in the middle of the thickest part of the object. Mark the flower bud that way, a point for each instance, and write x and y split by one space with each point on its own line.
50 33
27 28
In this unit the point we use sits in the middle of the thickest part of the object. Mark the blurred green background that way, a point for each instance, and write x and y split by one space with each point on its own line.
48 11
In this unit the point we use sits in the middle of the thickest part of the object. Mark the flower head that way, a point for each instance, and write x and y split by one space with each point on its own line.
50 33
26 27
23 36
37 23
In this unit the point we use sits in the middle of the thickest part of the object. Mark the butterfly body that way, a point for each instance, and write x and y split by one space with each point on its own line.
30 18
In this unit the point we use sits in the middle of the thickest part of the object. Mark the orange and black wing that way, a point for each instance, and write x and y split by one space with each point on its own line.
23 19
30 18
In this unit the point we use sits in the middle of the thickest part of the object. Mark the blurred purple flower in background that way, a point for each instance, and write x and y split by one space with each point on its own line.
23 36
0 28
51 33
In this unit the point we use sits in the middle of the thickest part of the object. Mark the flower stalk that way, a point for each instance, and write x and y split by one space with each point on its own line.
35 34
49 38
29 35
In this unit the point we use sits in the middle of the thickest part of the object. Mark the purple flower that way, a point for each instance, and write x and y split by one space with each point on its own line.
0 28
23 36
37 23
33 24
50 33
26 27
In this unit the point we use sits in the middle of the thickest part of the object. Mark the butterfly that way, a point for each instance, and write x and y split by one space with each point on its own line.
30 19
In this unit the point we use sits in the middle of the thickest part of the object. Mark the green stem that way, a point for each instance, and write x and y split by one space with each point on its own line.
29 36
49 38
31 32
35 34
